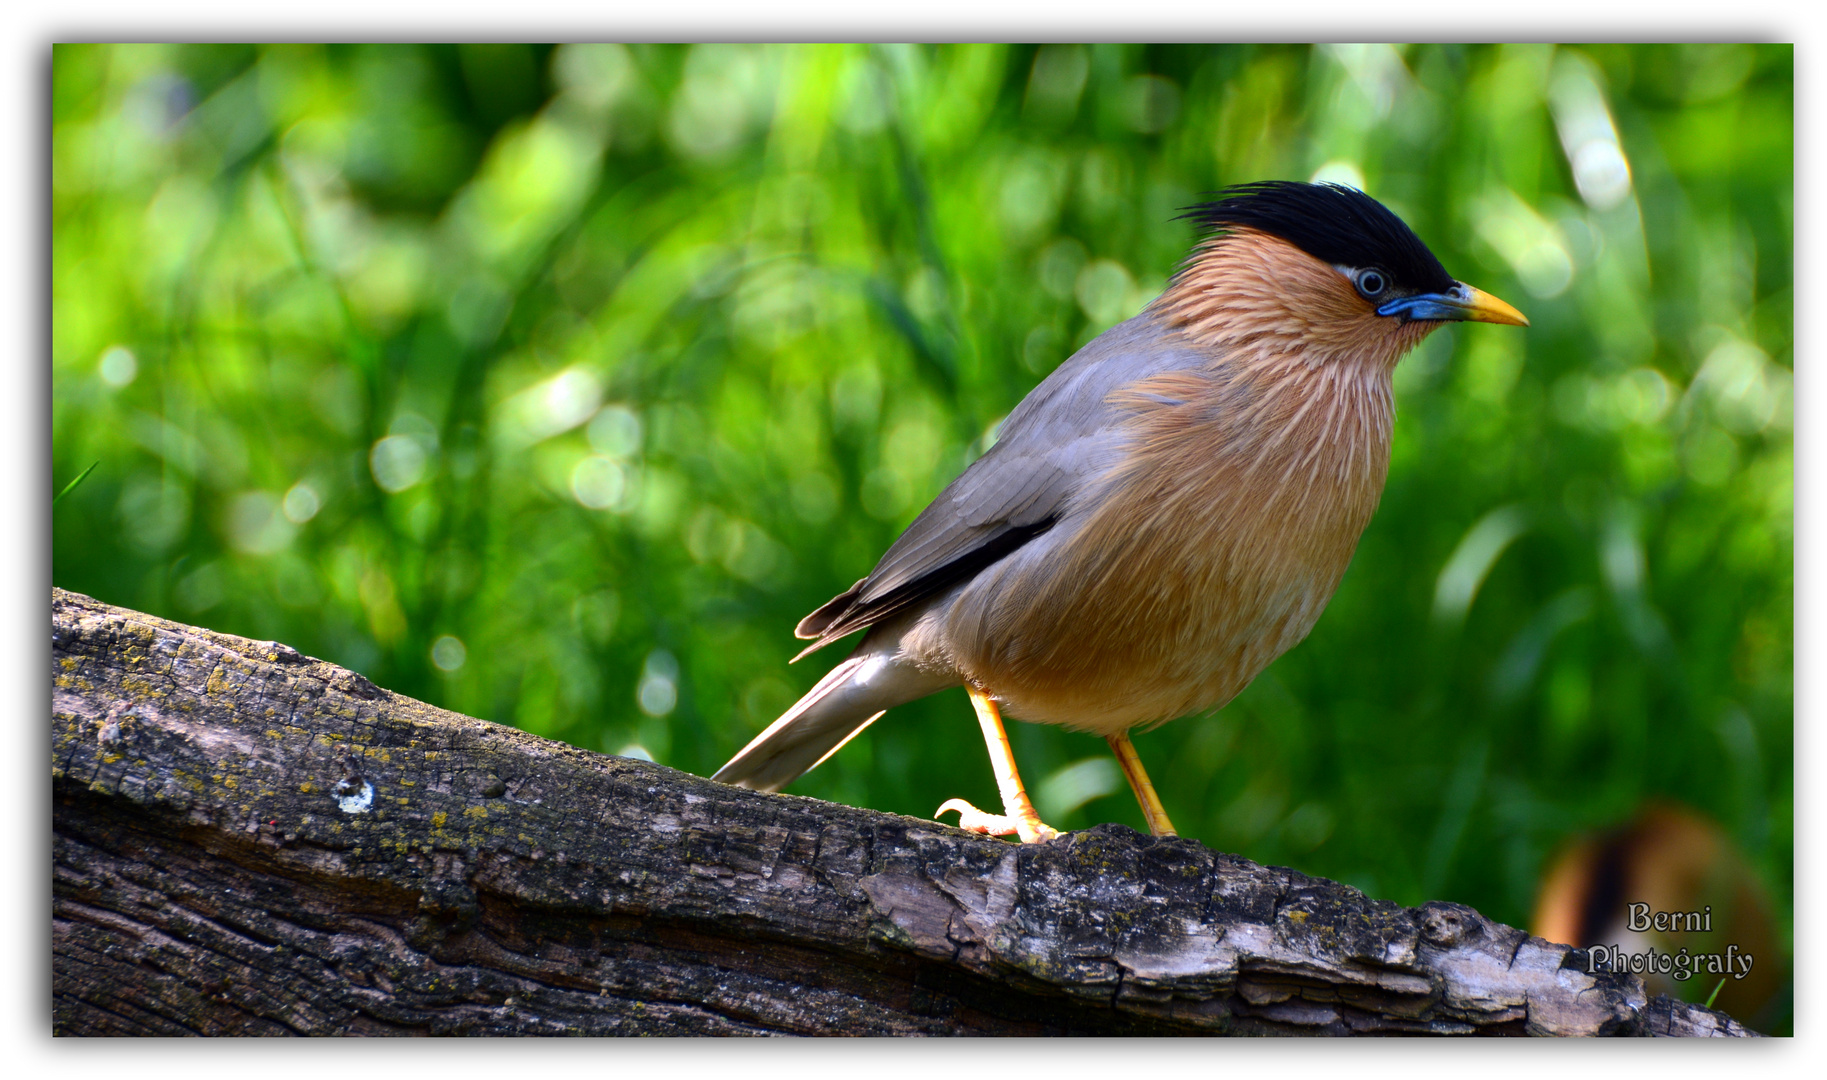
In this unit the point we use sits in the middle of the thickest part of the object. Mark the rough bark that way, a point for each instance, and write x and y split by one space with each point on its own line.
250 841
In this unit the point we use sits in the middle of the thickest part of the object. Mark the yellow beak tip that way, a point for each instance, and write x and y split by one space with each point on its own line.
1483 307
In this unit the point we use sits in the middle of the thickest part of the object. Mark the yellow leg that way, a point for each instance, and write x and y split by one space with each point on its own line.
1152 810
1018 812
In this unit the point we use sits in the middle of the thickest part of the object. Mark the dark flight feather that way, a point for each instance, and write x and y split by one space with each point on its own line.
854 610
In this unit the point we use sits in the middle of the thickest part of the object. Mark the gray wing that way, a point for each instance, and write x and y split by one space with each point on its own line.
1062 436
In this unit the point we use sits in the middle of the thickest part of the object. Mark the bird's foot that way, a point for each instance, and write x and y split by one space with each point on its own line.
1031 829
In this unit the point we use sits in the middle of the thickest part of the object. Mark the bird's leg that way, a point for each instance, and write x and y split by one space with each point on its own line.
1018 812
1152 810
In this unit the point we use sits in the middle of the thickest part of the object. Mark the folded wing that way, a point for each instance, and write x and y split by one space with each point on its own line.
1056 443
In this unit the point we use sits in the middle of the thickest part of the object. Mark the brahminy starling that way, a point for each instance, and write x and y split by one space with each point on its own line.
1163 516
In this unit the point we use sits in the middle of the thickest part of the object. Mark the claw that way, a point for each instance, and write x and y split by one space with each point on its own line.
971 819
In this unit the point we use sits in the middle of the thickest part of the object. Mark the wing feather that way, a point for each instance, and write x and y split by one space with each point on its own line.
1053 446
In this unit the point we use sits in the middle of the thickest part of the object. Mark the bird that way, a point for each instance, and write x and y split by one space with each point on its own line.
1167 512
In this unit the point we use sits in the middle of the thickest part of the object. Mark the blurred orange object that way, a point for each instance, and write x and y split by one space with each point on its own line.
1670 866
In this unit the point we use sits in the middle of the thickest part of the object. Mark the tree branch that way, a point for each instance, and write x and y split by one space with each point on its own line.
250 841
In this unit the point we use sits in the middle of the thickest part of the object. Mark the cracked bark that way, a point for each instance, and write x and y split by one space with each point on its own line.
250 841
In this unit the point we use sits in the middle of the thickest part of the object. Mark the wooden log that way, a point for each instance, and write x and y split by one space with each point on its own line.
250 841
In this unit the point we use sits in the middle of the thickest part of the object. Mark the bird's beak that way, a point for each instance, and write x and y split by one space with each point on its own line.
1461 303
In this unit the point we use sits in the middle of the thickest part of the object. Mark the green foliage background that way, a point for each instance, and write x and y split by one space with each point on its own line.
554 385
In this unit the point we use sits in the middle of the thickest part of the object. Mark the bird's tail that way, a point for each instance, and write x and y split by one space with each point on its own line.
832 713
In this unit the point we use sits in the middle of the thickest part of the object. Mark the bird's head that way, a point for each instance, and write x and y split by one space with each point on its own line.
1321 266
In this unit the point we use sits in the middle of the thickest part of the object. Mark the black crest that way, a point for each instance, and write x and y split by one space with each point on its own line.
1331 222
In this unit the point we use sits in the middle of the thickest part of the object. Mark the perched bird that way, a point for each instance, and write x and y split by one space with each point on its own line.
1165 514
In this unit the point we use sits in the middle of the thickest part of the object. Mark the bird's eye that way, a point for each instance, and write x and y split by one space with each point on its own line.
1371 283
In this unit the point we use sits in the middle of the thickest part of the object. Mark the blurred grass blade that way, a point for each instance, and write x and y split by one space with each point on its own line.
71 486
1714 996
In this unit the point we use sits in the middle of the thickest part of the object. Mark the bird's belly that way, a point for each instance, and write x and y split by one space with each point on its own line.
1137 617
1105 675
